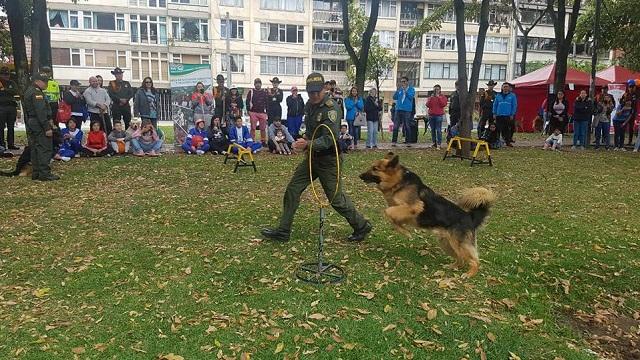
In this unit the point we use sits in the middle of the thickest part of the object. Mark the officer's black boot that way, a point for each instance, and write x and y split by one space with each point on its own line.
361 234
275 234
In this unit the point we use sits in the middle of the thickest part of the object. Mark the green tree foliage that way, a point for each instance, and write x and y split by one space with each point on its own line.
380 60
619 28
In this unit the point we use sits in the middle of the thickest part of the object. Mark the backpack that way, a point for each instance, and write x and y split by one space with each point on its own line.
64 112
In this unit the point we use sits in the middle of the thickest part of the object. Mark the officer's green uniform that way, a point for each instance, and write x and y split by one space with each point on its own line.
324 167
37 113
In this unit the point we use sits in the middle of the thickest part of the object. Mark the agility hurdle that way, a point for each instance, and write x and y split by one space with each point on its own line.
479 145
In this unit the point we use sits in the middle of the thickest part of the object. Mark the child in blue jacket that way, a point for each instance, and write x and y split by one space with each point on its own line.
197 141
71 141
240 135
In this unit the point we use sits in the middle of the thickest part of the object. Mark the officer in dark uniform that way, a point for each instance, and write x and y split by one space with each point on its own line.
120 92
320 109
8 108
39 128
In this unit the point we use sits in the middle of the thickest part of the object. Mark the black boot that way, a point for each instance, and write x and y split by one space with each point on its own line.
361 234
276 234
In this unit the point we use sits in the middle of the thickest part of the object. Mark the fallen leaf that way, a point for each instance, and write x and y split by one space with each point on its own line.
78 350
279 348
317 316
188 270
389 327
40 293
387 308
368 295
432 313
363 311
313 304
491 337
171 356
349 346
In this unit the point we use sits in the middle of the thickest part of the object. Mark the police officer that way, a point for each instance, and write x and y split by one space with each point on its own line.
120 92
8 108
39 128
320 109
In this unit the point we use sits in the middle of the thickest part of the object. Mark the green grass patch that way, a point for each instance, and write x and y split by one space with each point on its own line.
131 258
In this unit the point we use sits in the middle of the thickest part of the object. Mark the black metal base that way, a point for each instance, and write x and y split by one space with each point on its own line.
320 273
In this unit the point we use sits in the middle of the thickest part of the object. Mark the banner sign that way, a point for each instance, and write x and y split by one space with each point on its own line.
187 104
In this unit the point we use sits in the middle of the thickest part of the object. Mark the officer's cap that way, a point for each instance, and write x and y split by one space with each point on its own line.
39 77
315 82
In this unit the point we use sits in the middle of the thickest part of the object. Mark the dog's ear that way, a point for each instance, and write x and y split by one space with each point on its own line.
393 162
389 155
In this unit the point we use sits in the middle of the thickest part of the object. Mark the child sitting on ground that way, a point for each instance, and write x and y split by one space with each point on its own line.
217 138
71 142
146 140
491 137
119 139
197 141
345 141
554 141
96 142
239 134
282 146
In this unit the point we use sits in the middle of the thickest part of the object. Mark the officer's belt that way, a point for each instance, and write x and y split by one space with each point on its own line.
327 152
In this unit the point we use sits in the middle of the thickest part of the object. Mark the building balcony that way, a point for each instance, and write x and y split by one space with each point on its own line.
414 53
327 17
409 20
325 47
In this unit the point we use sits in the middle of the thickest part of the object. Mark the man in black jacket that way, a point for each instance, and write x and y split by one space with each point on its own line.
8 108
486 107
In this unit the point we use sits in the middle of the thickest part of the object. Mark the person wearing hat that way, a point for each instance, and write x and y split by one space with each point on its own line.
320 110
98 102
8 108
120 92
197 141
486 107
274 107
631 93
295 110
257 107
220 93
73 97
39 128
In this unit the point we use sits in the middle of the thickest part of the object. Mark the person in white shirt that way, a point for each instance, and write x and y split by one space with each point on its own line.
98 102
554 141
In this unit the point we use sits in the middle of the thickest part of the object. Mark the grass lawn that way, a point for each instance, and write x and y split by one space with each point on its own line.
129 258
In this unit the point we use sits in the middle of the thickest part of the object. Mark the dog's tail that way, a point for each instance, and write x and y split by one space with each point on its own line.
477 201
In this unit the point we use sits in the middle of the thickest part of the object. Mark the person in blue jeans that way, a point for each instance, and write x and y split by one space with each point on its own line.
404 98
505 106
582 112
354 105
604 108
620 121
436 104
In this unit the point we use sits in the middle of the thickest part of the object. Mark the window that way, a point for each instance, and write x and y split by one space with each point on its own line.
492 44
408 41
63 19
436 70
328 35
237 63
237 29
148 29
237 3
190 2
496 44
190 59
387 39
281 65
65 57
282 33
537 43
148 3
103 21
286 5
441 42
329 65
327 5
386 9
528 16
448 17
187 29
149 63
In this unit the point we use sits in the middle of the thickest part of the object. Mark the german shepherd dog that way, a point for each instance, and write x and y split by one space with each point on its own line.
412 203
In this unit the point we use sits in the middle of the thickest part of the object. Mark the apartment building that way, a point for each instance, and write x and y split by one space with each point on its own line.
283 38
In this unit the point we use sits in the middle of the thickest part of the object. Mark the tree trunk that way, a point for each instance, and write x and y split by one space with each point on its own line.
40 12
15 16
523 61
361 75
360 58
35 39
563 42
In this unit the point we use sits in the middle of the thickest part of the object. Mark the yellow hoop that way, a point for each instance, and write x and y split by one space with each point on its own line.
335 146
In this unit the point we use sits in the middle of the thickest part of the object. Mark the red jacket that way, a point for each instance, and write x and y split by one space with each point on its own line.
436 105
96 140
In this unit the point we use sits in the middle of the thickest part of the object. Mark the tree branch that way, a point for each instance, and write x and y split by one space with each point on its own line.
345 29
482 35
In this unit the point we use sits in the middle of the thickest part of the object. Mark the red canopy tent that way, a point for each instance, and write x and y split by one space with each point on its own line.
617 74
532 89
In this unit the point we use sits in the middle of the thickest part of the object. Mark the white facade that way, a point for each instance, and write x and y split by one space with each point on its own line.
283 38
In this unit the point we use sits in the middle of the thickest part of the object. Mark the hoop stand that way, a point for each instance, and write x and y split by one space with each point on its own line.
319 271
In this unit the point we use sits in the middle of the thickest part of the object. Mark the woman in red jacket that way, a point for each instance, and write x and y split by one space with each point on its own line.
436 104
96 142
